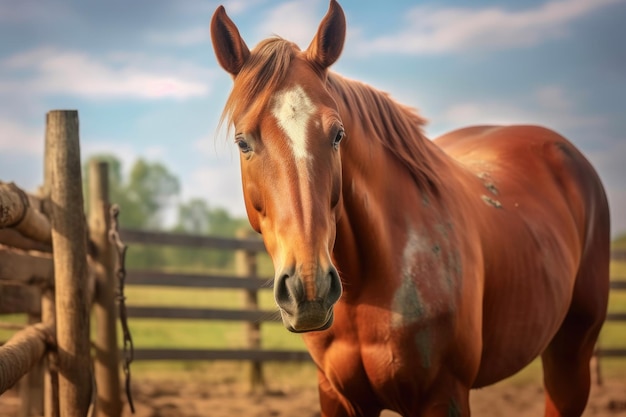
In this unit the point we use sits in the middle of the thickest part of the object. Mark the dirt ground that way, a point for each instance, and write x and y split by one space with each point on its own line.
179 398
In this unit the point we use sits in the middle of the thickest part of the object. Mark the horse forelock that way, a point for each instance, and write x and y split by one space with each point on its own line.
259 78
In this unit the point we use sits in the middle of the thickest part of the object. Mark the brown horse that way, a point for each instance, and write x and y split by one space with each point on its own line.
416 270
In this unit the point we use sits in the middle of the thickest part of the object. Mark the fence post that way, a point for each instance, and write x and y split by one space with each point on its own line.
246 266
70 264
106 366
48 304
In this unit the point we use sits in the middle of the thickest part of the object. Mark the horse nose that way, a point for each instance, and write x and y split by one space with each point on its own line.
305 305
290 287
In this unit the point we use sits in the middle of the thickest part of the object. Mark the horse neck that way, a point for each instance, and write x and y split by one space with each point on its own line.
383 177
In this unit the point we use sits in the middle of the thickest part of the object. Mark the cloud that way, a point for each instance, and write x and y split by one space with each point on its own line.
186 37
234 7
48 71
20 139
294 20
431 30
547 105
126 153
29 11
218 183
218 179
200 34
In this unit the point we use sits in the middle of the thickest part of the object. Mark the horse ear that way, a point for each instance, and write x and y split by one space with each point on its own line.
327 44
230 49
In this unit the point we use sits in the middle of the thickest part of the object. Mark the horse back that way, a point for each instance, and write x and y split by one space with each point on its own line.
542 213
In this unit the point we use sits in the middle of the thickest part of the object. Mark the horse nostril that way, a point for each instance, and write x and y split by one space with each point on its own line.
334 288
281 292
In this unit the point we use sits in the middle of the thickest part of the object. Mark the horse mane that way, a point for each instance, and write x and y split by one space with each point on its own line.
261 75
398 128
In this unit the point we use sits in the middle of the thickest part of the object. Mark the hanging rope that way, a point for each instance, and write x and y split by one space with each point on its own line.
114 237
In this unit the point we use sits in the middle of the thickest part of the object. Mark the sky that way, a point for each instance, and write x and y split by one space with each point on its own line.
144 78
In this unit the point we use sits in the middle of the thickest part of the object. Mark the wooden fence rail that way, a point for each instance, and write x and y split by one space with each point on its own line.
22 352
245 279
253 316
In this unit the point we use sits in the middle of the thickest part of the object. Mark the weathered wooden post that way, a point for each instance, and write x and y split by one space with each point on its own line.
70 263
246 265
48 304
109 403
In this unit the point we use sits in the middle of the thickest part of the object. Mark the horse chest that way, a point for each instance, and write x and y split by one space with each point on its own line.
392 374
388 357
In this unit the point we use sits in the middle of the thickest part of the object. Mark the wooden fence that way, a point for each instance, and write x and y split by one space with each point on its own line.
246 280
57 288
618 316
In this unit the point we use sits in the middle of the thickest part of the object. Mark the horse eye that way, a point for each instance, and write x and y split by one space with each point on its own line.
243 145
340 134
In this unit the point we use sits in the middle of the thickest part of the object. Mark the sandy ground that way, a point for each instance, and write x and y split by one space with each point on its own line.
179 398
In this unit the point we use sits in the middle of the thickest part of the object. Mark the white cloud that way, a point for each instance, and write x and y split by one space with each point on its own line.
187 37
156 152
126 153
295 20
20 139
548 105
218 180
200 34
51 71
30 11
234 7
205 146
553 98
219 184
431 30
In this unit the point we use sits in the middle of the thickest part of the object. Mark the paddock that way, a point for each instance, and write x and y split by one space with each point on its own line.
58 289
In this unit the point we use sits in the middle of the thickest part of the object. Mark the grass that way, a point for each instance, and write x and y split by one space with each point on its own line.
199 334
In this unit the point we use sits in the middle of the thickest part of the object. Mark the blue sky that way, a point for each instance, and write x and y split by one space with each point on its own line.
145 81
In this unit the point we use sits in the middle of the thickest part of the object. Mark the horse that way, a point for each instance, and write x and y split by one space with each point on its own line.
416 270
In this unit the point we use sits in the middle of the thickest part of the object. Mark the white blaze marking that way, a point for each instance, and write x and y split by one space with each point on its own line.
293 109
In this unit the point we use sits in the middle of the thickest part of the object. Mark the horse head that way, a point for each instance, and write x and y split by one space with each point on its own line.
288 131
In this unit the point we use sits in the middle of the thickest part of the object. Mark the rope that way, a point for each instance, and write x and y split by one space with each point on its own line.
128 350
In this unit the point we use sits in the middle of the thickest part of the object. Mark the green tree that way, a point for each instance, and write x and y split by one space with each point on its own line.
194 217
151 188
197 217
144 196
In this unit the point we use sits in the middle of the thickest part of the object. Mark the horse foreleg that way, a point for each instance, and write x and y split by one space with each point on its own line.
448 398
334 404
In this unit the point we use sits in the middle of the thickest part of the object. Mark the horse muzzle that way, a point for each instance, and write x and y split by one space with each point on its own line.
306 303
